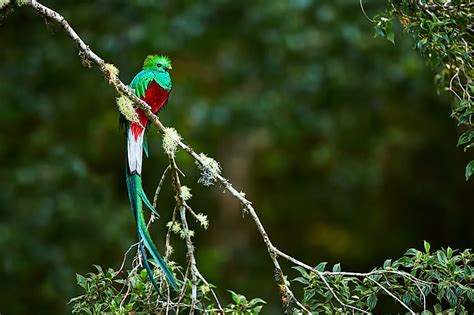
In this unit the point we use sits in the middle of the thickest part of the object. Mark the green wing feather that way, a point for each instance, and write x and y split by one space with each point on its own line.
141 82
143 79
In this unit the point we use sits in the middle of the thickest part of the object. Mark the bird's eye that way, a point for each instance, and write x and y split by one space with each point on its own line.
158 65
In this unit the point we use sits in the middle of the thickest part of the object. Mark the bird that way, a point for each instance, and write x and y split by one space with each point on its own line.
152 85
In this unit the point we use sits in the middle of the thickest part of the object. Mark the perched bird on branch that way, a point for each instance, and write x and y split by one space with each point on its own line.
152 85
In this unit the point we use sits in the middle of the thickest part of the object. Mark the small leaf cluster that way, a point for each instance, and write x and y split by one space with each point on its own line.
110 291
242 305
444 34
426 282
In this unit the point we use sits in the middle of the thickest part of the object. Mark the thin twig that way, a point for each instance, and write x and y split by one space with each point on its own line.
344 305
198 273
125 257
363 11
158 188
392 295
189 244
168 235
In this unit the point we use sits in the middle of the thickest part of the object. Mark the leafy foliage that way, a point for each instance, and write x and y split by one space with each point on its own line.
109 291
428 282
444 34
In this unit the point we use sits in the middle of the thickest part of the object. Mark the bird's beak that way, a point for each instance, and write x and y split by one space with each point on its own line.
170 67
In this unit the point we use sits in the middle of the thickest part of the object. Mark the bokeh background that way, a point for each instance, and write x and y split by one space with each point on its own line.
339 139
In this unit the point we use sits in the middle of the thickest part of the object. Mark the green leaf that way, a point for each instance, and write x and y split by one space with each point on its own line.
437 308
308 294
384 29
466 137
411 252
99 268
257 309
469 170
372 301
143 274
238 298
255 301
387 263
391 36
336 268
451 297
301 280
442 259
302 271
449 252
470 295
406 298
465 118
320 267
427 247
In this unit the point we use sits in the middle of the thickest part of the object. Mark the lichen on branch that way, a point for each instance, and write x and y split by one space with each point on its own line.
210 170
171 139
125 106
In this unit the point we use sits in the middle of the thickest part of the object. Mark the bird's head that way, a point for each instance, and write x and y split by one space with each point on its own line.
157 63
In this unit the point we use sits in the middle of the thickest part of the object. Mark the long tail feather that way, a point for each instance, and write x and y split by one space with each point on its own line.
137 198
148 203
135 193
147 265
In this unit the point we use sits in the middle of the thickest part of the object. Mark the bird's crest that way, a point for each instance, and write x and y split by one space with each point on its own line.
154 60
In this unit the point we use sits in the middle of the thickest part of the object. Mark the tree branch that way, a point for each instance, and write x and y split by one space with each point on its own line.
111 73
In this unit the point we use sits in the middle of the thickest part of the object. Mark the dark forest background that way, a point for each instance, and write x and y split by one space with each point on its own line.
340 140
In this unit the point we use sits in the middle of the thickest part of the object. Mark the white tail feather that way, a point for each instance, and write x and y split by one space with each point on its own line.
135 152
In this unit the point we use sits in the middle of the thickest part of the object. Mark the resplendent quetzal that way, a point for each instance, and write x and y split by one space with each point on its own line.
152 85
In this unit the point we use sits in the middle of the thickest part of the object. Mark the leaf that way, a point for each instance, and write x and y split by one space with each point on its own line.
470 295
406 298
451 297
143 274
469 170
255 301
411 252
99 268
437 308
328 295
238 298
302 271
301 280
320 267
442 259
405 262
387 263
426 289
81 281
427 247
465 118
336 268
390 35
449 252
257 309
384 29
308 294
77 298
372 301
466 137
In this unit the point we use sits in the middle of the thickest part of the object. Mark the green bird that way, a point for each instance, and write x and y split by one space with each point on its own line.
152 85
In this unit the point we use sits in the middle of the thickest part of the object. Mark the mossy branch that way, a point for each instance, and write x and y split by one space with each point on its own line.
211 174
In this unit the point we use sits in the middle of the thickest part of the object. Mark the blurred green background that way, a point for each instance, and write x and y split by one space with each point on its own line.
339 139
